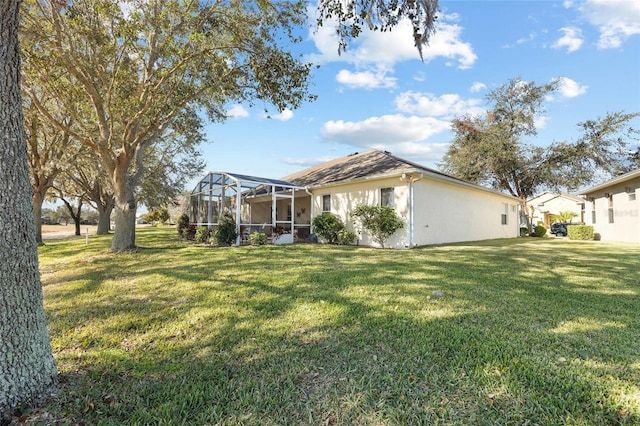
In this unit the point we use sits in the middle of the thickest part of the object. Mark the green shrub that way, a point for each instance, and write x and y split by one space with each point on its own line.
258 239
326 226
380 221
183 223
540 231
202 234
580 232
226 233
346 237
524 231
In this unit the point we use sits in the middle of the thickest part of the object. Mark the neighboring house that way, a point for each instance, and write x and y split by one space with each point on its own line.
613 208
435 207
543 207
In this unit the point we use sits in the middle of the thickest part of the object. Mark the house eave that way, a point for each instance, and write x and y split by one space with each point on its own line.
415 171
615 181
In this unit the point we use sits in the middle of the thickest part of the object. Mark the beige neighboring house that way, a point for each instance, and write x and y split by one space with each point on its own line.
613 208
435 207
548 204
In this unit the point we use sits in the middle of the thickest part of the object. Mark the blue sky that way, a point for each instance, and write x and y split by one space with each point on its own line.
380 95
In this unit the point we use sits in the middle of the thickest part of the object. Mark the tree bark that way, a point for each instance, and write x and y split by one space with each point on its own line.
104 217
27 367
38 199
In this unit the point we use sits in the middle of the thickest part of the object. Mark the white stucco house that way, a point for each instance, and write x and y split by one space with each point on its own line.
435 207
613 208
543 207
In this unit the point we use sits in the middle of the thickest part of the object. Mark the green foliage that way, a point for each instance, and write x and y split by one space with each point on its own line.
258 238
226 233
539 231
580 232
326 226
202 234
380 221
564 217
157 215
490 150
183 223
346 237
524 231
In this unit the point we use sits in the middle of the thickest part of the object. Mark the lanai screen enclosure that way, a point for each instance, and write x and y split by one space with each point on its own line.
275 207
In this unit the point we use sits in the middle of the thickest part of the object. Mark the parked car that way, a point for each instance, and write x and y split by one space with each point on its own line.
559 229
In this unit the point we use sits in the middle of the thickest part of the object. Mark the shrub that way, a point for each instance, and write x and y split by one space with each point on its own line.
326 226
580 232
202 234
524 231
539 231
380 221
189 232
183 222
346 237
226 233
258 239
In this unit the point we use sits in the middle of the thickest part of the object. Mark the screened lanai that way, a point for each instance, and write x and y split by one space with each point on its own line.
275 207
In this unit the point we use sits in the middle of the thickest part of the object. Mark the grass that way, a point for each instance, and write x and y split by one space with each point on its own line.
528 331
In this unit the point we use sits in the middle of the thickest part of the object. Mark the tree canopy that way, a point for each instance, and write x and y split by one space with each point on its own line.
490 149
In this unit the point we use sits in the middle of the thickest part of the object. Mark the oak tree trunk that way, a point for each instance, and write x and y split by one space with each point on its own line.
27 368
104 217
38 200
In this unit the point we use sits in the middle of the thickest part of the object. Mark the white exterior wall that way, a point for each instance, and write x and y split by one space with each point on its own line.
626 213
443 212
447 213
345 198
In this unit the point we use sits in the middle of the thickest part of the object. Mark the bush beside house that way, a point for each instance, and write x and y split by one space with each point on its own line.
580 232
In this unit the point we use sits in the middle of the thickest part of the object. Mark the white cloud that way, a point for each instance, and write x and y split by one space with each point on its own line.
572 39
285 115
427 104
541 122
306 162
567 4
366 79
570 88
617 20
237 111
383 49
477 86
382 132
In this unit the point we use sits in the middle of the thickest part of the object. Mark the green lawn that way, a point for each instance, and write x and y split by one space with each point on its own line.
528 331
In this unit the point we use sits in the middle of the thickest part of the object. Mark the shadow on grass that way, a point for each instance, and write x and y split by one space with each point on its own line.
536 332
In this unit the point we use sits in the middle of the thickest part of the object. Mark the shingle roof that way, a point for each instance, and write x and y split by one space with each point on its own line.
356 166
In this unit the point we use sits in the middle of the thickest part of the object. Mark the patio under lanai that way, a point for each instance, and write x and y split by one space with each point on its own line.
277 208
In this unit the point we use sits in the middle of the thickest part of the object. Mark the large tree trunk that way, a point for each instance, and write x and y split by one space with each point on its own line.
38 199
26 362
124 237
104 217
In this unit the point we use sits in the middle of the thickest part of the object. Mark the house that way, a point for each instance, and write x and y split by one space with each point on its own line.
615 208
545 206
436 208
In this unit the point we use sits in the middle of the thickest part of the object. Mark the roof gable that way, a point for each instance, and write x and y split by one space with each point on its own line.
354 167
370 165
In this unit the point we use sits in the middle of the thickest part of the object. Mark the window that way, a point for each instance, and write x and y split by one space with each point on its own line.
631 193
504 219
610 197
387 197
326 203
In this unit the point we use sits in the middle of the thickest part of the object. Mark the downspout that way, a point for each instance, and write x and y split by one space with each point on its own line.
306 189
238 213
411 206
